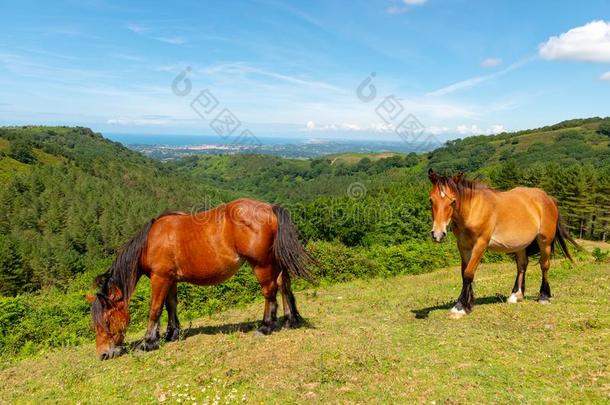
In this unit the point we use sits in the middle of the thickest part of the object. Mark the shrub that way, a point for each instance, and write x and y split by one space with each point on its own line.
600 256
21 150
341 263
604 127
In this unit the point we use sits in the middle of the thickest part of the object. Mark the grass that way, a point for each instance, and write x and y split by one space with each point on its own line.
9 167
353 158
375 341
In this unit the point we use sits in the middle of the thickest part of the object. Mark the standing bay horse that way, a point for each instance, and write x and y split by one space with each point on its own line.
523 221
205 248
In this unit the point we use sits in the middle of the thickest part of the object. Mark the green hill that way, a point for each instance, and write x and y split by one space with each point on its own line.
375 341
69 198
585 141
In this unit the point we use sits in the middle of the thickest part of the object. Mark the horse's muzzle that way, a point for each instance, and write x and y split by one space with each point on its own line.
438 236
112 353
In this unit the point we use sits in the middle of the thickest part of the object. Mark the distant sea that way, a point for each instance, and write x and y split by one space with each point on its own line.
181 140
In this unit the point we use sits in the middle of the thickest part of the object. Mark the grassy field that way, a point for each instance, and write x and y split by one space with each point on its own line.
353 158
375 341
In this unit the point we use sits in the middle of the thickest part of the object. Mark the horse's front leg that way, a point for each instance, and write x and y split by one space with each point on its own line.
173 324
160 288
470 262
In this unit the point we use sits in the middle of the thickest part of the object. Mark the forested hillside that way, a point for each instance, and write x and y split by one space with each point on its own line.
69 198
570 160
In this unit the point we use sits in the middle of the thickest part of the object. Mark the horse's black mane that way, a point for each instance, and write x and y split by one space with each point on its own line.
124 272
462 184
463 187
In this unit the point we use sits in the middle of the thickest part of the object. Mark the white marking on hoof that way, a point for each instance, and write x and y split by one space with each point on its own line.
544 302
456 313
515 298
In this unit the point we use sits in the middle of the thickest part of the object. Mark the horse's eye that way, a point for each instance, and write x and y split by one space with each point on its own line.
453 203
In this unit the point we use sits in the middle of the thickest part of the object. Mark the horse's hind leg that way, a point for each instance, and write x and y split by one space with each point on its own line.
160 288
545 264
519 287
173 324
267 278
292 318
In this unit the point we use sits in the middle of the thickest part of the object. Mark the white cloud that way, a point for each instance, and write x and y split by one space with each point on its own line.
468 83
462 130
124 56
491 62
466 130
137 28
139 121
590 43
172 40
406 7
605 76
344 126
393 10
241 68
149 32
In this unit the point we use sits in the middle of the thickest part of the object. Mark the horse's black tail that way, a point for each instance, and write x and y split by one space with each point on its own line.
562 236
289 253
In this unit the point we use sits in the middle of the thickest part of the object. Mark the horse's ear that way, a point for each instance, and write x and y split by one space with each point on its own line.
432 176
458 177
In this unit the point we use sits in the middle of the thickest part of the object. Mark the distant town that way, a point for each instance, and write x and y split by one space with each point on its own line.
293 150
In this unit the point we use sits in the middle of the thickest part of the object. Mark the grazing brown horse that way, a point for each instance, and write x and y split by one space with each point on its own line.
204 248
523 221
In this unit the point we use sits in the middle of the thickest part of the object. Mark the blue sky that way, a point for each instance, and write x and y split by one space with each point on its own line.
291 68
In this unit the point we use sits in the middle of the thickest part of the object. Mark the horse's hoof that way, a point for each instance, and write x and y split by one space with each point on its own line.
544 301
457 313
173 335
145 346
263 331
515 298
292 323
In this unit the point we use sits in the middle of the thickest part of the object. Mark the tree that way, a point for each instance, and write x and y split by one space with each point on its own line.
604 127
21 150
13 278
508 176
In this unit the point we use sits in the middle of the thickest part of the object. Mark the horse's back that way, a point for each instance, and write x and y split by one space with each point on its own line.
531 199
521 215
254 226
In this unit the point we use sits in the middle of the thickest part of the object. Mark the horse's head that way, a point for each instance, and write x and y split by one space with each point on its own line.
443 198
110 316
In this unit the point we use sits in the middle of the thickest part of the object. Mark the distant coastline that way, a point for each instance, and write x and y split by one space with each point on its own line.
169 147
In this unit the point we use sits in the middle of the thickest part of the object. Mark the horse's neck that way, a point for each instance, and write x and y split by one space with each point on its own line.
127 293
479 198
